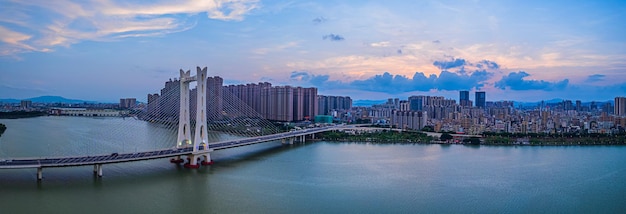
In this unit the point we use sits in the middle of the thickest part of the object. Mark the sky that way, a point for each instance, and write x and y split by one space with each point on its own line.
105 50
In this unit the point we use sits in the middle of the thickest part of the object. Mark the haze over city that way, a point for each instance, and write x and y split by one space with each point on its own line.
524 51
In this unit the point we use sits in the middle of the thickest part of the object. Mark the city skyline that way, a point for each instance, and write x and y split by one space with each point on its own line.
106 50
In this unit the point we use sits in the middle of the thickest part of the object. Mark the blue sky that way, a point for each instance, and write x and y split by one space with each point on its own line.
514 50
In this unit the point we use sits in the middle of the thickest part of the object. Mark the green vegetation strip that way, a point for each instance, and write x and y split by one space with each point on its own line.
21 114
383 136
488 138
541 139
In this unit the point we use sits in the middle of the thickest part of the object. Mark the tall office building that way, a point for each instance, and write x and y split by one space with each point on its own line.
620 106
481 99
464 99
417 103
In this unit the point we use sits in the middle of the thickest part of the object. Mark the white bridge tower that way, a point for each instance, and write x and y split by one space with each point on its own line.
200 142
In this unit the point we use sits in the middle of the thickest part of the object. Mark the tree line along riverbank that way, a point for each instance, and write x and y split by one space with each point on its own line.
532 139
384 136
541 139
22 114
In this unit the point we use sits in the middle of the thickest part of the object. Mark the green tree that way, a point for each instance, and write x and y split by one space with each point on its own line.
428 129
474 140
445 137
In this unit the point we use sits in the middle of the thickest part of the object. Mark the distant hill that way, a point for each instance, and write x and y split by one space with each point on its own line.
47 99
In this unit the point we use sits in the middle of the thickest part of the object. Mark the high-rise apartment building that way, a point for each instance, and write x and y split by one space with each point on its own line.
280 103
310 104
415 120
169 102
128 103
214 98
620 106
153 105
481 99
326 104
567 105
24 104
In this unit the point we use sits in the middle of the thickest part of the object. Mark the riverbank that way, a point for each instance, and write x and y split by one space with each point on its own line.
393 137
22 114
556 140
384 137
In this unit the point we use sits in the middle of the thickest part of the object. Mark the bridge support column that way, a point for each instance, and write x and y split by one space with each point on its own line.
207 159
99 170
39 173
177 159
283 141
95 169
303 139
193 162
291 141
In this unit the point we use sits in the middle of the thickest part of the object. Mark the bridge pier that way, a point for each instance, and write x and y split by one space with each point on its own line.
193 162
39 173
177 159
97 170
207 159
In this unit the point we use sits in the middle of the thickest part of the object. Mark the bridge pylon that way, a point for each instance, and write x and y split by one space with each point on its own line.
184 130
200 142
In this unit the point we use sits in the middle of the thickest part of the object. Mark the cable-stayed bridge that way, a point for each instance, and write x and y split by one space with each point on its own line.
98 160
215 112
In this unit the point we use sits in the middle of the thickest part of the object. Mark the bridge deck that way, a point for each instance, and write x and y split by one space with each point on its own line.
137 156
90 160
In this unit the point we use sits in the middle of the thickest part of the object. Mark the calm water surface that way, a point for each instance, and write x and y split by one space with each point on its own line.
315 177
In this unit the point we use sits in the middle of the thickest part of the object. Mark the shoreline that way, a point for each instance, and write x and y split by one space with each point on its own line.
390 137
22 114
464 144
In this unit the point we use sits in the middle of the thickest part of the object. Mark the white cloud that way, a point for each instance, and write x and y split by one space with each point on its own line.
15 42
380 44
65 22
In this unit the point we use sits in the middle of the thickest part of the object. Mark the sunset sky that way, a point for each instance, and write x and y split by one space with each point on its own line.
514 50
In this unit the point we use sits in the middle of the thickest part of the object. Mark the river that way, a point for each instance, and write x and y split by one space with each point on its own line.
314 177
